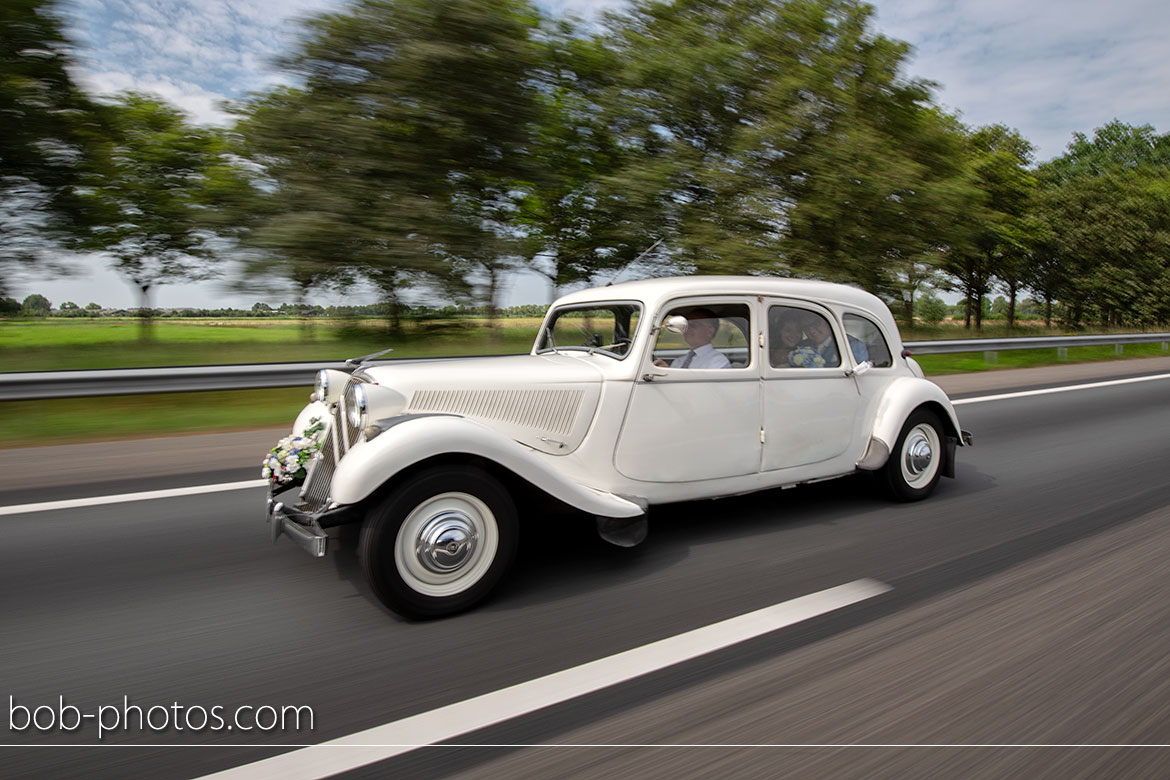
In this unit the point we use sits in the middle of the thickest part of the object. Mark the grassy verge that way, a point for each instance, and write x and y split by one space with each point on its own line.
42 345
64 420
963 362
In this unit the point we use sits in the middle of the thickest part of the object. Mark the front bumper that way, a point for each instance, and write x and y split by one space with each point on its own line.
304 530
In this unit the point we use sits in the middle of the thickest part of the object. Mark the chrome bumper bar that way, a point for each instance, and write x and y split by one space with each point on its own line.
302 529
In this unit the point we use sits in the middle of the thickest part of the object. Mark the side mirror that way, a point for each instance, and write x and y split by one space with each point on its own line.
676 324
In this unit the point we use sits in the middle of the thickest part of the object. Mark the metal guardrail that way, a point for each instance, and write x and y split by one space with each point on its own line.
17 386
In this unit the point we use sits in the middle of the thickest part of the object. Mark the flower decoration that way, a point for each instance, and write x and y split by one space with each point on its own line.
806 357
286 462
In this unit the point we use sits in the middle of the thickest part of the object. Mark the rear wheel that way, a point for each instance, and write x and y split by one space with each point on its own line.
915 463
439 543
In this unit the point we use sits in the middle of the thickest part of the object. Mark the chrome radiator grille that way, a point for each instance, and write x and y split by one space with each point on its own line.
315 493
340 437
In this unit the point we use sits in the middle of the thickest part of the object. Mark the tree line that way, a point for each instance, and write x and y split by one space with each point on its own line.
439 145
37 305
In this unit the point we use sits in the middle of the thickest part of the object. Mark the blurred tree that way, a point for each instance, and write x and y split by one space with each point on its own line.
91 306
1110 236
68 306
930 308
145 205
399 159
9 306
995 227
776 136
1103 244
1114 147
47 137
36 305
575 219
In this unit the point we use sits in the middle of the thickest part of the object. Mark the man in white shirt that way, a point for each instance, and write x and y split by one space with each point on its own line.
702 325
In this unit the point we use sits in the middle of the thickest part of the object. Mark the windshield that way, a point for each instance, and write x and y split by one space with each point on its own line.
604 328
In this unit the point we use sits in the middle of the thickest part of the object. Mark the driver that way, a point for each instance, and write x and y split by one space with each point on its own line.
702 325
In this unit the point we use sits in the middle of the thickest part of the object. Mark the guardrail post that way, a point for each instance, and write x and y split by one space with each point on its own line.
1062 353
1166 346
991 357
1118 349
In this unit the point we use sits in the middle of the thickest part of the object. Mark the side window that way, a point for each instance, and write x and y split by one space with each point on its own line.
716 337
799 338
867 342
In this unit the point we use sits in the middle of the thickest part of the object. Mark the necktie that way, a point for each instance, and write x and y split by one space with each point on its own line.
687 360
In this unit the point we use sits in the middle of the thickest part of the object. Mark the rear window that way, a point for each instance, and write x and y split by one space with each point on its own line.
867 342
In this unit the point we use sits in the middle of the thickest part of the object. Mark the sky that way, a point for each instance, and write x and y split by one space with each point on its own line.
1048 68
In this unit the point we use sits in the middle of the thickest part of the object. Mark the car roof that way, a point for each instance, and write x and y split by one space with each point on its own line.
652 292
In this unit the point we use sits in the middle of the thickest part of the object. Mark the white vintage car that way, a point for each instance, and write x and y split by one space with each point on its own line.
634 395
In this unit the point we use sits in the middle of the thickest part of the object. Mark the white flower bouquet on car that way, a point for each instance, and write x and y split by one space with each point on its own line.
287 462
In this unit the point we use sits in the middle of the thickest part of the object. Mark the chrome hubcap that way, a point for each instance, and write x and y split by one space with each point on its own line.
918 455
446 542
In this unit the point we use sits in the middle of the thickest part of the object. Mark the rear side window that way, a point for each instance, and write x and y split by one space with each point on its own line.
799 338
867 342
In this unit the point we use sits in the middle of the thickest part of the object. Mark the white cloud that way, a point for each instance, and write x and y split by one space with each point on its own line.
200 105
1048 68
195 54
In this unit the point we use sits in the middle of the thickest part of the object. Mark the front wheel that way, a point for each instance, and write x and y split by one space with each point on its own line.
915 464
440 542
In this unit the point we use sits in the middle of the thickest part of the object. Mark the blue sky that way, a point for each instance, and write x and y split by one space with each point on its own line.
1048 68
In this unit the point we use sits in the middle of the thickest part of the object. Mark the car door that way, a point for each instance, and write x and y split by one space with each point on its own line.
695 419
810 404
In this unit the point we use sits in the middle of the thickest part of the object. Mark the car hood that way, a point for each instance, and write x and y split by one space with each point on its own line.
543 401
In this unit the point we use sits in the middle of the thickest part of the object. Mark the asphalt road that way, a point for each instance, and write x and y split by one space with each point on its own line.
1027 607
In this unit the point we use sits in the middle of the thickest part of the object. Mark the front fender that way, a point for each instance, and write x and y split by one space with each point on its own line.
902 397
370 464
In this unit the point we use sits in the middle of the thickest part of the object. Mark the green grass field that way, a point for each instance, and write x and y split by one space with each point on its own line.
31 345
46 344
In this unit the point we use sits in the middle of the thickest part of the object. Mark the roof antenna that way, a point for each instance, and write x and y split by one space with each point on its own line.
636 259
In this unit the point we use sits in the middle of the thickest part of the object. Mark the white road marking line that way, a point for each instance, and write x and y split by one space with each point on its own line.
1062 389
73 503
391 739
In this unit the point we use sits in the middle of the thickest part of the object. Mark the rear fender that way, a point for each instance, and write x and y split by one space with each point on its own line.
899 401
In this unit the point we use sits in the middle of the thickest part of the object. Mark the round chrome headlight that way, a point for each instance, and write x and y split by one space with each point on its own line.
321 386
357 410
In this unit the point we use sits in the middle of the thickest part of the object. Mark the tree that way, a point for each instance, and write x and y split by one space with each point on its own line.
47 134
9 306
931 309
994 242
399 159
778 137
68 306
91 306
575 221
1103 246
146 205
1114 147
36 305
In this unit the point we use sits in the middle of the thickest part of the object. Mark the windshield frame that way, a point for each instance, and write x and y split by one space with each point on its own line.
637 308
